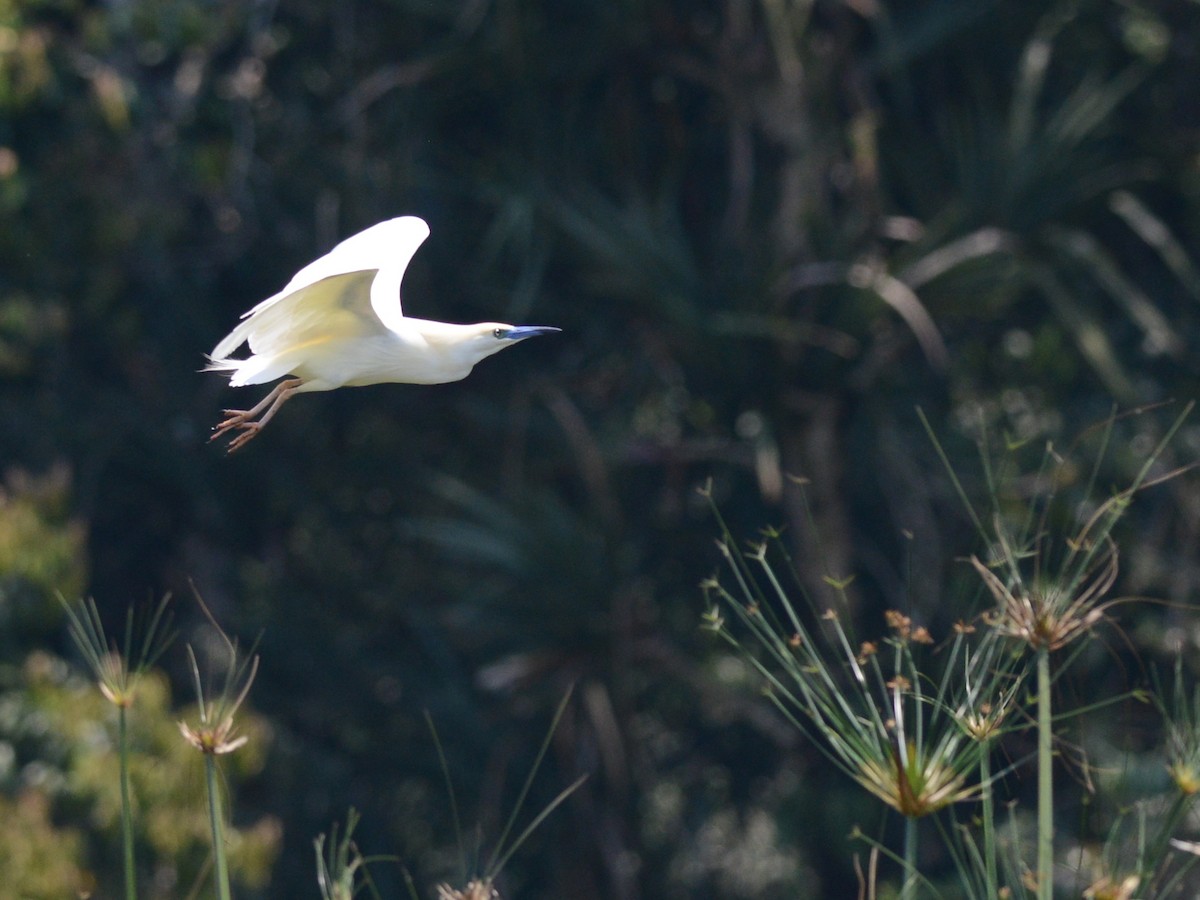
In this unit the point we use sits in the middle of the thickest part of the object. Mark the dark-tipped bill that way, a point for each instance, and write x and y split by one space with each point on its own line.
520 332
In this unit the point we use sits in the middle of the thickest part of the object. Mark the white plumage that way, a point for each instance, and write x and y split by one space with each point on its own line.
339 323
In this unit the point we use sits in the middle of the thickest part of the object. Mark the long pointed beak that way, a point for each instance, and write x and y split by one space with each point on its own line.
520 332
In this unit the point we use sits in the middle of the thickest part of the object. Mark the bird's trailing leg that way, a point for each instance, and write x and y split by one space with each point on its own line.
245 419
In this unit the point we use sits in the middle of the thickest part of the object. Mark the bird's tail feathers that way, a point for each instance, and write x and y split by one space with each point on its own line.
216 364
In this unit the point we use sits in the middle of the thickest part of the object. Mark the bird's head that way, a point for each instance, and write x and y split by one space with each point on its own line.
487 338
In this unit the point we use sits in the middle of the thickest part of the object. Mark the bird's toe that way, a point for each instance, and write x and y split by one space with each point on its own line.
249 432
235 418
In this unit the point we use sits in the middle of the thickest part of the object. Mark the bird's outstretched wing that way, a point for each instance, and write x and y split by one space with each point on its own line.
329 297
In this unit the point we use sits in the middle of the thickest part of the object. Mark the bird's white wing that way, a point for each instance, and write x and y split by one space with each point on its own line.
329 296
398 241
386 247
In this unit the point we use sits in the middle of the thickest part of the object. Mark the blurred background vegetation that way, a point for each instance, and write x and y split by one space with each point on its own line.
770 229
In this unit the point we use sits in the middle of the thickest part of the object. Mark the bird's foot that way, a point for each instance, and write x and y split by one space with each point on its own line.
244 419
249 432
236 418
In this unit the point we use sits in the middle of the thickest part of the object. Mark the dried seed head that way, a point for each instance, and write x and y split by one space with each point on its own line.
1050 616
916 785
1186 778
476 890
216 740
899 623
1108 888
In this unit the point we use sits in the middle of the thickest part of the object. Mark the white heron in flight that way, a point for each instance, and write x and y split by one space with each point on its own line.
338 323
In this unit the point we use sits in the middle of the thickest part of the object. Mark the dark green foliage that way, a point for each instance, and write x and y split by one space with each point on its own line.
768 229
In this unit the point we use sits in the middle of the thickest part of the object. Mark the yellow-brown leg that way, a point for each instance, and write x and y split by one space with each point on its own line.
244 419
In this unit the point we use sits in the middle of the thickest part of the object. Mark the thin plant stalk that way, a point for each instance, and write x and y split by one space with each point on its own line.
126 805
220 866
1045 748
500 855
482 886
441 754
991 880
908 890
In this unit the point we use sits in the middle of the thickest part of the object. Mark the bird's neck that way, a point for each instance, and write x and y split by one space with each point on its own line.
440 334
458 347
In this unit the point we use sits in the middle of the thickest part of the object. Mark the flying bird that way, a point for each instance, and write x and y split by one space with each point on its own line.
339 323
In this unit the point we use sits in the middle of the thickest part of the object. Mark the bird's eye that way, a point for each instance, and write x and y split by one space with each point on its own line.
497 333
